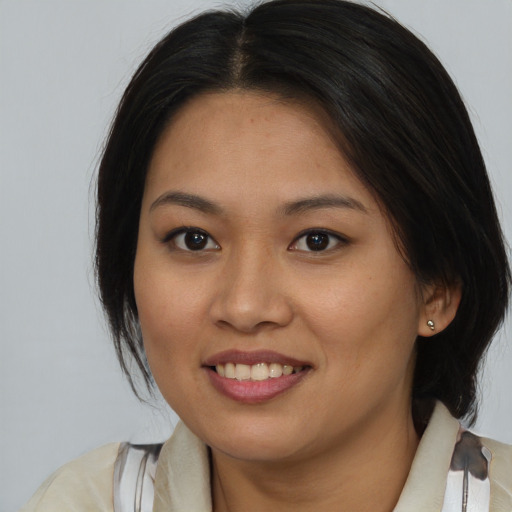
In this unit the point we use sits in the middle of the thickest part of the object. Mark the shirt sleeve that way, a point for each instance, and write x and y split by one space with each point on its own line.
84 484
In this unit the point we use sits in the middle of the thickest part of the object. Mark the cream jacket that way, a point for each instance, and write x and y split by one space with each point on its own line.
182 481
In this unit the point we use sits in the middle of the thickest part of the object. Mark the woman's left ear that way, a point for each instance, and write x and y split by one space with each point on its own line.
440 304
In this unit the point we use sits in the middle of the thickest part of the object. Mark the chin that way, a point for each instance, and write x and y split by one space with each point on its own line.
256 451
254 441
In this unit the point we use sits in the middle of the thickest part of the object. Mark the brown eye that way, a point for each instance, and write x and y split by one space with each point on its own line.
317 241
195 241
192 239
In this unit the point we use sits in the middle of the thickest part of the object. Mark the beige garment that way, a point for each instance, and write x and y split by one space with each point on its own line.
84 484
182 481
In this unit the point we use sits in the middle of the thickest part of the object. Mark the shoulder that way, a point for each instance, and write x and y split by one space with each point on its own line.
501 455
81 485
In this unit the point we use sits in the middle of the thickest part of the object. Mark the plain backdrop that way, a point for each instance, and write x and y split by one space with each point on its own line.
63 67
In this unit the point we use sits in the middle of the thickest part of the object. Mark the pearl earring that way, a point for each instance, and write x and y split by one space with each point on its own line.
432 325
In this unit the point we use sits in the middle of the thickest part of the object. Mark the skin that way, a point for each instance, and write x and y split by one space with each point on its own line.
343 437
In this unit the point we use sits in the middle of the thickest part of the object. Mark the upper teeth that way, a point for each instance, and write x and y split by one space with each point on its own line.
260 371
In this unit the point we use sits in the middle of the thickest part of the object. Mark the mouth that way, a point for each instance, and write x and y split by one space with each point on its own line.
256 372
254 377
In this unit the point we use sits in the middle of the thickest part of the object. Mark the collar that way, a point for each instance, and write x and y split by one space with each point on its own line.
182 482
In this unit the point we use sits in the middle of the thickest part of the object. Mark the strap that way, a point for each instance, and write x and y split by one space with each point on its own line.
134 477
468 488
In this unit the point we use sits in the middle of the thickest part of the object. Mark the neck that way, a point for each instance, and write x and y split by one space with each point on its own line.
366 471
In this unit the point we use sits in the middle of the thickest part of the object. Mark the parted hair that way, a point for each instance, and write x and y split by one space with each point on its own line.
401 123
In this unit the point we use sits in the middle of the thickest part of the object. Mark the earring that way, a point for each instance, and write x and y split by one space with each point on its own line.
432 325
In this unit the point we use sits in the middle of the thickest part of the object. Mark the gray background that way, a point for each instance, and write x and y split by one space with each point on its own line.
63 66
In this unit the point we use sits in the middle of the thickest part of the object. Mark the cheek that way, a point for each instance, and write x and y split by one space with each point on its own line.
369 313
168 316
367 338
166 309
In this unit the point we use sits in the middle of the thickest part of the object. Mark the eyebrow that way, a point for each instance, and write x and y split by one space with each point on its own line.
291 208
187 200
325 201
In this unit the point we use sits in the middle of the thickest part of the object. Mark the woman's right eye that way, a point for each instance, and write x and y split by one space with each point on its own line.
191 239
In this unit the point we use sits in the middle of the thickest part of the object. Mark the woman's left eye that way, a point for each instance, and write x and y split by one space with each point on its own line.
317 241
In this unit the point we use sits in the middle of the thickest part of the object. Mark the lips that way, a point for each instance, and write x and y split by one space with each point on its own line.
254 377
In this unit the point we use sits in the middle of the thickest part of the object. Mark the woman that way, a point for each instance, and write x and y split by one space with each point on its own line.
296 238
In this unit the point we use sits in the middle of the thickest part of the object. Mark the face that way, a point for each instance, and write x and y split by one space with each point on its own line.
278 318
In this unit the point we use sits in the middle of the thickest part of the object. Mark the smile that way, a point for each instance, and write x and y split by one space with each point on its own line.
256 372
254 377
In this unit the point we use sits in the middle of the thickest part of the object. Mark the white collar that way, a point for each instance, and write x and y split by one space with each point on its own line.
182 482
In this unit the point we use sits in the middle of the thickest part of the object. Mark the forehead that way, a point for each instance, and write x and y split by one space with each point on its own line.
231 137
237 116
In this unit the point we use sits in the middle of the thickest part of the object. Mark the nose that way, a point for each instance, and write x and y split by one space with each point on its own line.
252 294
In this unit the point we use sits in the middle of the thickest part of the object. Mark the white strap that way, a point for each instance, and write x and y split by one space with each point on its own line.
468 488
134 477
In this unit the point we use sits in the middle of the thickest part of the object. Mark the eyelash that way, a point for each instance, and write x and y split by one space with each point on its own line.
173 235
